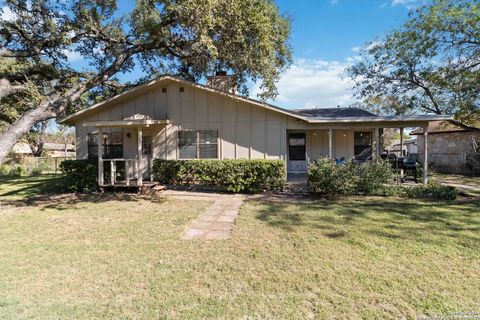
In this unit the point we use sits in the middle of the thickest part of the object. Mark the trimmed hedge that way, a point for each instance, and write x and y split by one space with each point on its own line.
80 175
245 176
331 180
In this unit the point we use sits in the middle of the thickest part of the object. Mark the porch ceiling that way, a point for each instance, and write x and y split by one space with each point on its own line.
125 123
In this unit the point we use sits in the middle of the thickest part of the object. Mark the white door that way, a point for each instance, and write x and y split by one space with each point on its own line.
297 152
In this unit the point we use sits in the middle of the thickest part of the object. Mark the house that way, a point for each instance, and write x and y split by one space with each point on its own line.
448 146
405 148
172 118
54 150
50 149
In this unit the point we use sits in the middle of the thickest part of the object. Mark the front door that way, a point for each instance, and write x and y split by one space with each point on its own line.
297 152
147 149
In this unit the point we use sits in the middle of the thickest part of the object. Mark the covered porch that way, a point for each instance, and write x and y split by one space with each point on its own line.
124 151
344 142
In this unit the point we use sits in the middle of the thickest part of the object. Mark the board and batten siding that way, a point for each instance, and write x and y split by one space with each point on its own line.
245 131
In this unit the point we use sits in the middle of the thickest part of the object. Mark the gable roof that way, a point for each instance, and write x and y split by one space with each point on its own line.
147 85
319 115
334 113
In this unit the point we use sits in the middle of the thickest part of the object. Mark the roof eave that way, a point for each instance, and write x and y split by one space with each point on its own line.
423 118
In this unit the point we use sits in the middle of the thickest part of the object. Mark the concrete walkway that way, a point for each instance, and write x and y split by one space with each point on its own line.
217 222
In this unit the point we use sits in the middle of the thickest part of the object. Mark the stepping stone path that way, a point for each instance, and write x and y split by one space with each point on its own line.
217 222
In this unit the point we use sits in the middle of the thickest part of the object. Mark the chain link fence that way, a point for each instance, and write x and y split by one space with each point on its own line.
32 165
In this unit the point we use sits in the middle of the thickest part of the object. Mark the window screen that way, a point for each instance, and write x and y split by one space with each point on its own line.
296 146
112 145
147 145
208 144
362 145
201 144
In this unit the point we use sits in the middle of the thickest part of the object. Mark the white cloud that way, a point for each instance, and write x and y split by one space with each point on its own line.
72 56
309 83
7 14
407 3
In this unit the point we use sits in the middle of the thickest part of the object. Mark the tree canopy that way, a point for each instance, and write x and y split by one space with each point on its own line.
190 39
431 64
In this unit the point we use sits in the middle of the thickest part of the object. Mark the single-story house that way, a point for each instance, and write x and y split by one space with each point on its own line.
51 149
448 146
172 118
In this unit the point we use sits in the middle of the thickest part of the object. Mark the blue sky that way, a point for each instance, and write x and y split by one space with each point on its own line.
325 38
326 35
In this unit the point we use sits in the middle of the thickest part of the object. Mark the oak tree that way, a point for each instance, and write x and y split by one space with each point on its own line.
188 38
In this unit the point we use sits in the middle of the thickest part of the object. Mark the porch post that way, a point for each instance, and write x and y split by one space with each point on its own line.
401 152
100 155
377 143
330 144
401 142
425 155
139 157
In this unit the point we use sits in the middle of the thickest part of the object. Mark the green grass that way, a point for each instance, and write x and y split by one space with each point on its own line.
121 256
25 187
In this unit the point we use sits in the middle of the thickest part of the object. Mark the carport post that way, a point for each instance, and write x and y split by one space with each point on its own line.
377 143
330 147
425 155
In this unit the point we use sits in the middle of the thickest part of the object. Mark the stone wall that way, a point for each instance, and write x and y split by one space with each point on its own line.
447 151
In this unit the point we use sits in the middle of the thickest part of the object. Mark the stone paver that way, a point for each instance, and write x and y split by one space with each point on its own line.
217 222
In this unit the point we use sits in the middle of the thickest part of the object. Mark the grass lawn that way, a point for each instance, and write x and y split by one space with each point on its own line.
458 179
120 256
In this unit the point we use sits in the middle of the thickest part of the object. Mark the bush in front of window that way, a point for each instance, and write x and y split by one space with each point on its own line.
80 175
331 180
239 176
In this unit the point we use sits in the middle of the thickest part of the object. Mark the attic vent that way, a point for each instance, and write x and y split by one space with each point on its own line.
182 89
164 90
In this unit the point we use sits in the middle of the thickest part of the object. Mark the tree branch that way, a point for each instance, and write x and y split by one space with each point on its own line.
6 88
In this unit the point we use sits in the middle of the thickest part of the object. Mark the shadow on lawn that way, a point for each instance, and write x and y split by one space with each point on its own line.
428 222
49 193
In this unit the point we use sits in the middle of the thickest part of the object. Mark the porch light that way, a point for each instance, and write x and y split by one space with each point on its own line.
129 135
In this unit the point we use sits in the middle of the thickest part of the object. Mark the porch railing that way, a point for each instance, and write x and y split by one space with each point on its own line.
115 173
121 171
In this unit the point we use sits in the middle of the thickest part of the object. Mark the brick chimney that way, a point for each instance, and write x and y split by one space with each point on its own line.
222 81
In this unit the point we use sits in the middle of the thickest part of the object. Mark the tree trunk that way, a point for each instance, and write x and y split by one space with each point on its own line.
15 131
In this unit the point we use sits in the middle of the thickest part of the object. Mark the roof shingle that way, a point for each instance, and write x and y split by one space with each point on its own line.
334 113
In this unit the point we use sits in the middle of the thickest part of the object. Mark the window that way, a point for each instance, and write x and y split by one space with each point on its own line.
296 146
112 145
362 145
147 145
202 144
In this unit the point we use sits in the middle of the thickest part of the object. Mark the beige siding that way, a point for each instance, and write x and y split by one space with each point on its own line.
245 131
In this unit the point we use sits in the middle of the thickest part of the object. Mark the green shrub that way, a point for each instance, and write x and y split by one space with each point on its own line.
433 190
80 175
36 172
329 179
374 177
247 176
17 170
4 170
